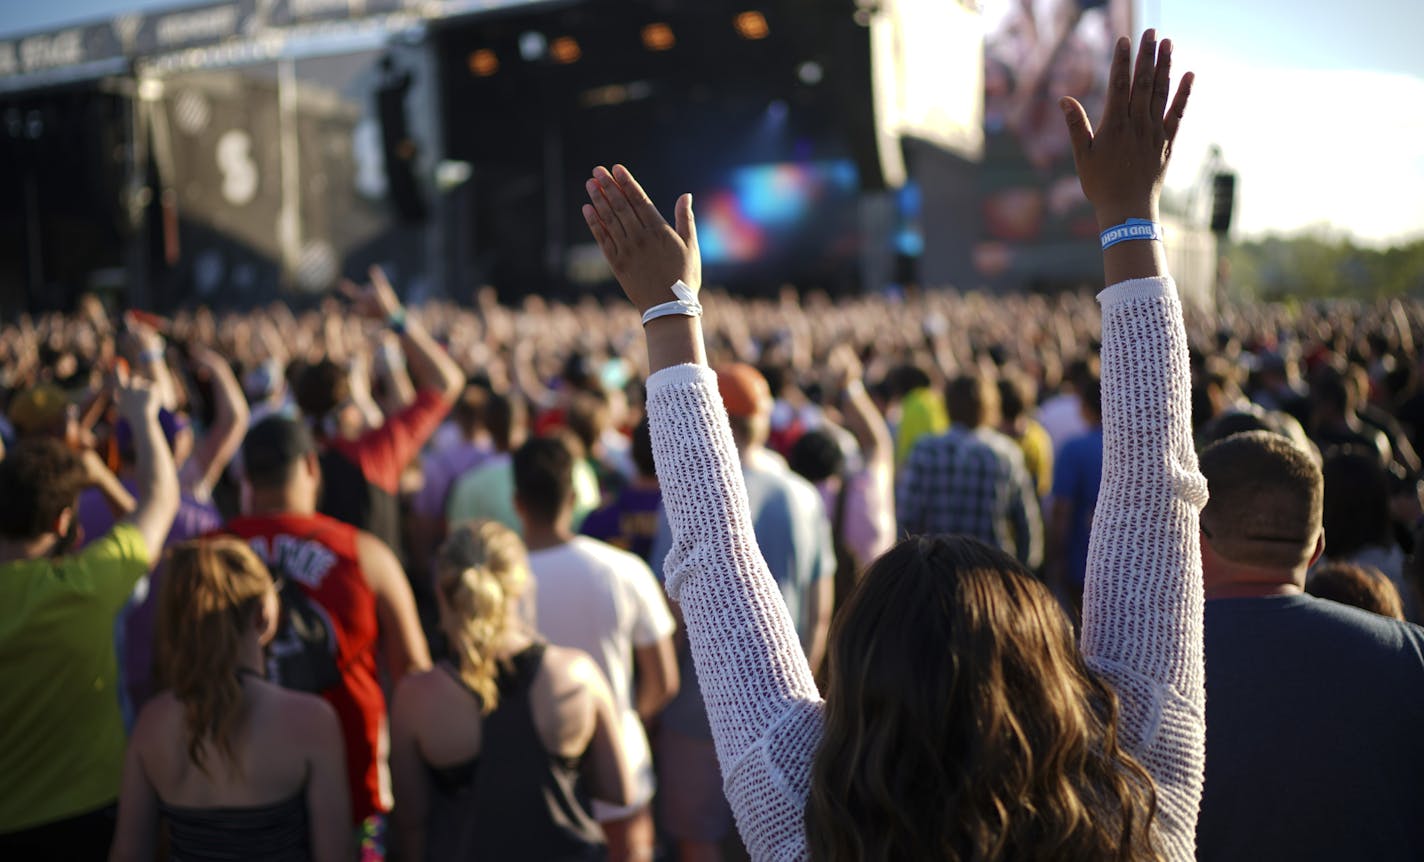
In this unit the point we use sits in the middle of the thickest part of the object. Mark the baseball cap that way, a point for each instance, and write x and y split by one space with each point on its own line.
744 390
39 409
273 444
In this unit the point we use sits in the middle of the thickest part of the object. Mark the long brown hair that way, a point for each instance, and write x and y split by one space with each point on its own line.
480 571
962 723
212 591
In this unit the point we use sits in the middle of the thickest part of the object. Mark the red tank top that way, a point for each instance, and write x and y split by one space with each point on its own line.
320 554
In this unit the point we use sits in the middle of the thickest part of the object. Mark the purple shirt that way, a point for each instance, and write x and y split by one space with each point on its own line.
630 522
134 629
441 469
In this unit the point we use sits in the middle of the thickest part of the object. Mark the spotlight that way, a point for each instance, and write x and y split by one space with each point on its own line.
810 73
483 63
565 50
751 25
658 37
532 46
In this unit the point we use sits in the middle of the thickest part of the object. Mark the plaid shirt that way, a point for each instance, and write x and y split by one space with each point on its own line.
972 482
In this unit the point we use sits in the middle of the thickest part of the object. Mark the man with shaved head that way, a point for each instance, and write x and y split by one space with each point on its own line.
1315 747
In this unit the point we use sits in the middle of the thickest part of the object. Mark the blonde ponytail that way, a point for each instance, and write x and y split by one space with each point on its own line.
481 571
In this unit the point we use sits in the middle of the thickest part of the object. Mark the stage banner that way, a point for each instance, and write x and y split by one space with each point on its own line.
1037 224
218 145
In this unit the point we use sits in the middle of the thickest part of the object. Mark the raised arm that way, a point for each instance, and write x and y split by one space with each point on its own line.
157 477
230 416
388 362
761 701
148 353
1142 602
862 417
98 475
431 368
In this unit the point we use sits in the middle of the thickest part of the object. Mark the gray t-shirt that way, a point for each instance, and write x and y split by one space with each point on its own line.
794 534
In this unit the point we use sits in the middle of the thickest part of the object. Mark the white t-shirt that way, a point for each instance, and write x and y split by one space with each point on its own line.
607 602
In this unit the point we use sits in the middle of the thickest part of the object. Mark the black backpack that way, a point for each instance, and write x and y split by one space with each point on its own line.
304 654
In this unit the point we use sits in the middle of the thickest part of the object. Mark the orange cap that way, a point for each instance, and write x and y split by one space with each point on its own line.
744 390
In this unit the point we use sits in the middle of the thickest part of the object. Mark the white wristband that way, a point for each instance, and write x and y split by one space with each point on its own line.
686 304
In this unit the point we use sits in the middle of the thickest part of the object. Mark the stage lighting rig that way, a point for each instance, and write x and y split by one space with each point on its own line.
658 37
483 63
751 25
533 46
565 50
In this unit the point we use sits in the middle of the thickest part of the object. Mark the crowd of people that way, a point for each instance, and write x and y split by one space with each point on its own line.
925 575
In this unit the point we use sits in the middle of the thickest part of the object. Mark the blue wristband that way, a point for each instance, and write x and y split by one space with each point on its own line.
1133 228
396 322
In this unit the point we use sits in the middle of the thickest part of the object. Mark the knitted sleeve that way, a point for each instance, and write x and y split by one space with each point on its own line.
761 701
1142 601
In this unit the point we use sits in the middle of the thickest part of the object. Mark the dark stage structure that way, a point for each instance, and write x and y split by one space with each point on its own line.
247 151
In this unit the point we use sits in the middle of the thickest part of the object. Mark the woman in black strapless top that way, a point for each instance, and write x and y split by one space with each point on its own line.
237 767
494 755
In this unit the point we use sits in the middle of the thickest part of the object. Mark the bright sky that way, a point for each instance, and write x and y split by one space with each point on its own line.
1315 103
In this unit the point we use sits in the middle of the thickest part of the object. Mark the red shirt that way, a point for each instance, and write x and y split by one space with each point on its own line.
383 453
319 553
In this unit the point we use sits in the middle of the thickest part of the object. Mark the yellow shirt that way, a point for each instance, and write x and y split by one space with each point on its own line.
1037 448
921 412
61 735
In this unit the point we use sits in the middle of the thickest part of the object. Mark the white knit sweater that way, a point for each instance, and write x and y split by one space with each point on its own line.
1142 614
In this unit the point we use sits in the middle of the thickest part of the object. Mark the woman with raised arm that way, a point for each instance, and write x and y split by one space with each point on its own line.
959 721
238 767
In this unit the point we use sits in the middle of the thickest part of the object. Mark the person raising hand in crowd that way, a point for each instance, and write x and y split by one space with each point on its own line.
62 738
361 465
959 719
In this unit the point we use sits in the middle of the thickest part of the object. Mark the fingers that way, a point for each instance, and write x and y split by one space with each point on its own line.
1161 82
603 207
643 208
600 233
350 290
618 203
1179 107
378 278
1142 78
1080 130
1119 84
686 223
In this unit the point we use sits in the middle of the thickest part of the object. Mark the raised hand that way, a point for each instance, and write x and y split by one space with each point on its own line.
646 254
843 366
1121 164
377 300
138 399
206 362
141 335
